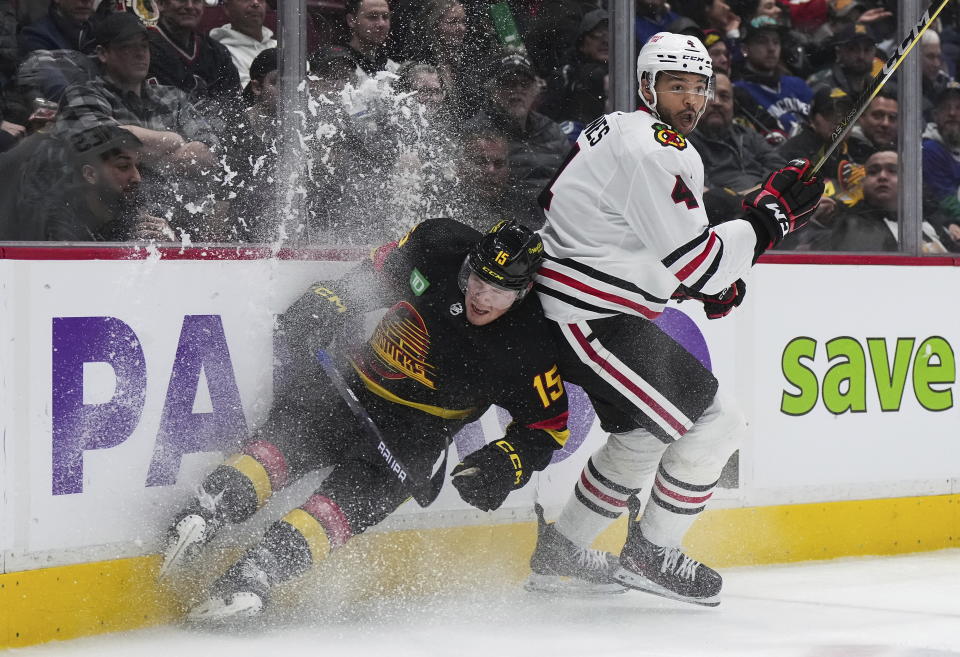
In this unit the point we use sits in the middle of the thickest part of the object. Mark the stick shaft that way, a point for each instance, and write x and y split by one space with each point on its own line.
870 91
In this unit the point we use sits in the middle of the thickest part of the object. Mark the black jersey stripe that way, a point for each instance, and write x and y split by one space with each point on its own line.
603 277
711 270
686 248
623 490
675 509
574 301
593 507
684 485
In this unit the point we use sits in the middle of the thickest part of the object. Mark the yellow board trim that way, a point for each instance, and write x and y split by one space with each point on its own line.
110 596
311 529
253 470
380 391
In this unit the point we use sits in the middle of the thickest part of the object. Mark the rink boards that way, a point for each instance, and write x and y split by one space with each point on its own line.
122 380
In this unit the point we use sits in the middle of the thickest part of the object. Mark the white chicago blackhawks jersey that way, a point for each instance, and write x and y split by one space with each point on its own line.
626 224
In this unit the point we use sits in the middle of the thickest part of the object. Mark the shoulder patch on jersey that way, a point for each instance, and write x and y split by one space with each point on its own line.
418 282
667 136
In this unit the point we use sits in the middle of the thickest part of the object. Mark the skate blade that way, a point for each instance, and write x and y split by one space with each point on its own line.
569 586
641 583
191 535
217 611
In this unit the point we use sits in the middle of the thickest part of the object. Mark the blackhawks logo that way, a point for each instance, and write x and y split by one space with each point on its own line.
667 136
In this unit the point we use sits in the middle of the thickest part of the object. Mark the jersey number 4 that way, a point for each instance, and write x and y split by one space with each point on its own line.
682 194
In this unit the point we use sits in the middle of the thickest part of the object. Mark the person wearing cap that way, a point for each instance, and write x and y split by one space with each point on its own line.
786 97
162 117
245 36
855 51
183 57
537 144
577 91
369 25
733 156
941 155
101 202
828 108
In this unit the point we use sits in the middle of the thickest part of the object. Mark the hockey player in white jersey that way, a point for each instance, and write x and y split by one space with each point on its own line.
626 231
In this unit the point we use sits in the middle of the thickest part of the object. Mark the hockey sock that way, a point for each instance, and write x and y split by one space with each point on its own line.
674 505
306 535
263 467
617 470
595 503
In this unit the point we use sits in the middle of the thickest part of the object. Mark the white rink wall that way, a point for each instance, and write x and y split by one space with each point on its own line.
122 380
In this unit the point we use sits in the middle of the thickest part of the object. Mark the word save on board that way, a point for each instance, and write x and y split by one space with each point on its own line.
930 367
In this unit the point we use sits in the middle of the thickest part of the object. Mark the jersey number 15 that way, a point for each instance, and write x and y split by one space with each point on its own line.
549 386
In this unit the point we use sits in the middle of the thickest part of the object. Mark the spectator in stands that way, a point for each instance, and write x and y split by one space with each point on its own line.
369 25
871 224
253 154
941 153
652 17
483 189
183 58
548 35
101 202
785 97
244 36
577 92
719 52
330 70
733 156
931 66
65 27
710 14
877 128
855 53
828 107
537 144
439 32
160 116
424 81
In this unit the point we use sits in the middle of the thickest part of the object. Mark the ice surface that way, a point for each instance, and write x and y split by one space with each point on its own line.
904 606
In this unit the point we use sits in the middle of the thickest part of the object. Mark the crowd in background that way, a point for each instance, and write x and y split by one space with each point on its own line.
158 119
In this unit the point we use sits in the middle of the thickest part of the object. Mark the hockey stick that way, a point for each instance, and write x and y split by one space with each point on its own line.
424 492
870 91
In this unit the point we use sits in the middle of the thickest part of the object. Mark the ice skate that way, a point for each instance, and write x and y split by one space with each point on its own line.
562 568
193 529
667 572
241 593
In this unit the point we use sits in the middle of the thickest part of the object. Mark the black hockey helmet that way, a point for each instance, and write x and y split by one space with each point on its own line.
507 256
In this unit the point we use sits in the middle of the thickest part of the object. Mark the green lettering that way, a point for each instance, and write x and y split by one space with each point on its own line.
933 364
800 376
890 382
852 370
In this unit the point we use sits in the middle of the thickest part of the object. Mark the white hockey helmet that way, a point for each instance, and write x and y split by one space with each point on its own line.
666 51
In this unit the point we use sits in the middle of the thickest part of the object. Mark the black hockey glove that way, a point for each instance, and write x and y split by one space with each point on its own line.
717 305
486 477
783 204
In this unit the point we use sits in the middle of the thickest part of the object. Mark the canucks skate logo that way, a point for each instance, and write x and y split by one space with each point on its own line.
667 136
402 343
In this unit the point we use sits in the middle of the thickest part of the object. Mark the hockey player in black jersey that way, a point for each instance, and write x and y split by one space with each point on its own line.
460 334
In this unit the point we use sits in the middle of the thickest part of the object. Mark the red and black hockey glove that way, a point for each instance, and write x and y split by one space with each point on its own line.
486 477
717 305
783 203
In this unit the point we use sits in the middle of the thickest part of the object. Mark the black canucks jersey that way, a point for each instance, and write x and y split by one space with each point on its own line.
425 355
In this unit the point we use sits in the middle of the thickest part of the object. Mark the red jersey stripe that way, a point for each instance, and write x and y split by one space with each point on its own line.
606 296
696 262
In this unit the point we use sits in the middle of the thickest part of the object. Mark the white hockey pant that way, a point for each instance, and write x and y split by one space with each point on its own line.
680 477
